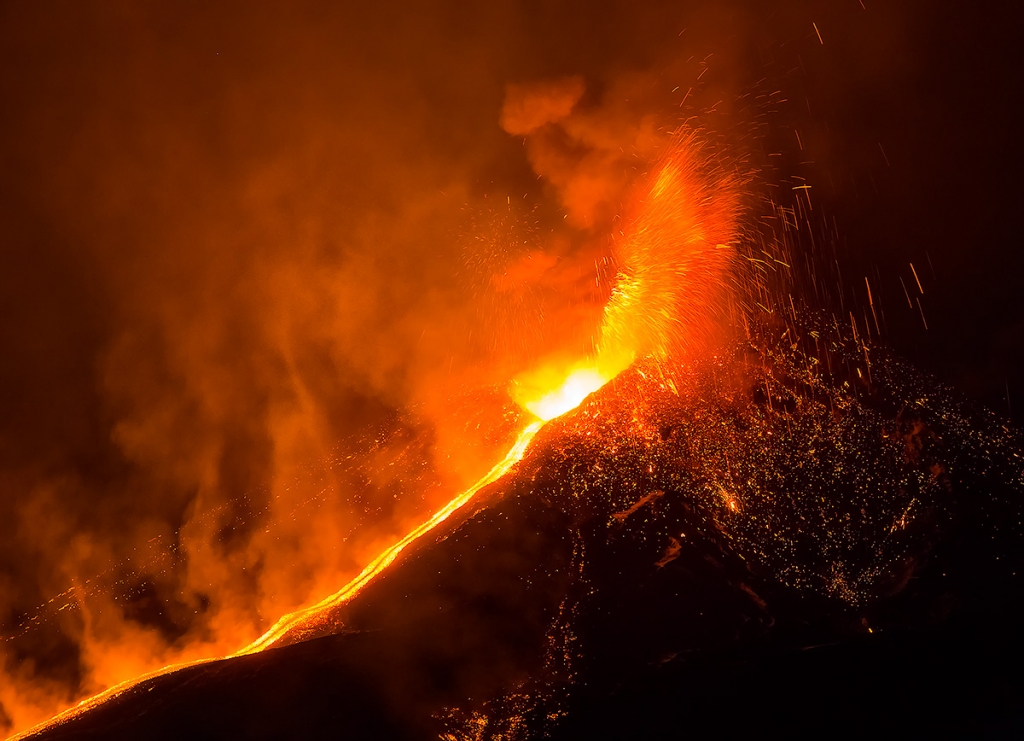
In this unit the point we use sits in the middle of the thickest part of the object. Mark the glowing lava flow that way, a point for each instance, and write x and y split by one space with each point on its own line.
309 615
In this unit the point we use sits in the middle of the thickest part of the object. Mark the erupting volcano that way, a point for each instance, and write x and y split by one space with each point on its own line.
676 263
496 375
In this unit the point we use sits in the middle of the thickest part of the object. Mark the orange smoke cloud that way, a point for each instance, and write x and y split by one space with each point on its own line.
532 105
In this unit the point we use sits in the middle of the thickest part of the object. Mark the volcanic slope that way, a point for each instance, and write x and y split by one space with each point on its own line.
798 535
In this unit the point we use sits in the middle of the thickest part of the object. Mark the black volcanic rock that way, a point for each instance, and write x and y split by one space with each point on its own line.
799 536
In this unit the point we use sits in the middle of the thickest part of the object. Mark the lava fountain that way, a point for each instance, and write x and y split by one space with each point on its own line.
671 288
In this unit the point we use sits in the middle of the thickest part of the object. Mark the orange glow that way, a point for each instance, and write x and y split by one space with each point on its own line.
543 396
578 386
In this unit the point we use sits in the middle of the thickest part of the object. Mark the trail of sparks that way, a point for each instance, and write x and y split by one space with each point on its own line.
309 615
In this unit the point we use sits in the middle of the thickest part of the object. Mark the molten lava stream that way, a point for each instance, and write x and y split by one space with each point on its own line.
309 615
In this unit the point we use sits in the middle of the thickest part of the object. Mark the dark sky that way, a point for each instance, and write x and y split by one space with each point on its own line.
949 122
233 234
